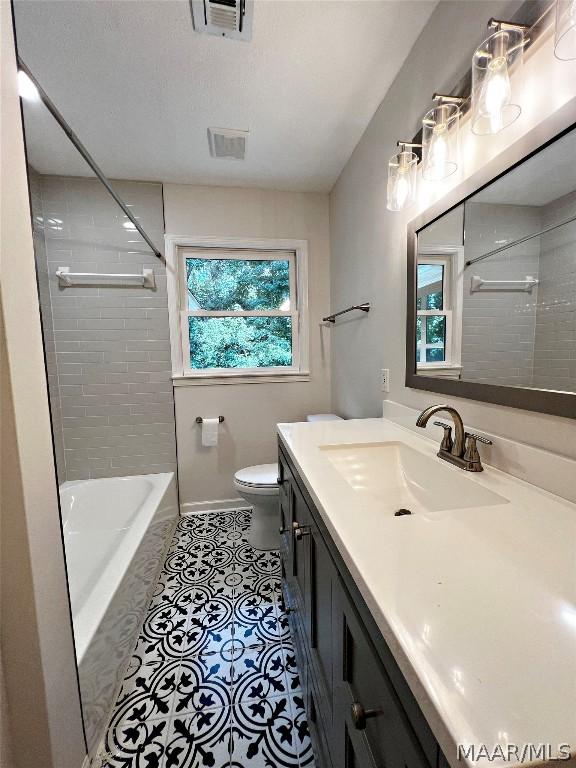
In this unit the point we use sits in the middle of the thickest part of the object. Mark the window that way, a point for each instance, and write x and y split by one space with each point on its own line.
240 311
433 316
438 310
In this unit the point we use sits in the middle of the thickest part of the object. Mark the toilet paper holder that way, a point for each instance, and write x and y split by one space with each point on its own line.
199 419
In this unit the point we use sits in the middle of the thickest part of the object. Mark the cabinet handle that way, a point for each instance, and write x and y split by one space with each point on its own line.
300 532
360 715
295 525
281 531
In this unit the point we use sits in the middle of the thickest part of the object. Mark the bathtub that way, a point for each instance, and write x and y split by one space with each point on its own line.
116 531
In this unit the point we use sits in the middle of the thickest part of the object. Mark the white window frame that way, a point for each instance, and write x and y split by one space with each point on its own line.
296 251
452 259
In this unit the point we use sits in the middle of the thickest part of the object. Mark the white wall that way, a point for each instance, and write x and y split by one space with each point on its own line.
368 244
251 411
40 685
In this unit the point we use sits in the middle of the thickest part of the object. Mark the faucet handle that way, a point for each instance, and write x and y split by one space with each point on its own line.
471 453
446 444
479 438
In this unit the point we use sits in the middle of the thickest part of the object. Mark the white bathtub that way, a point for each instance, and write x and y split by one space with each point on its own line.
116 531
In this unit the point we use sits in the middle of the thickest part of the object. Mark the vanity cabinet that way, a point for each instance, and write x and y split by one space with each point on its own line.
360 710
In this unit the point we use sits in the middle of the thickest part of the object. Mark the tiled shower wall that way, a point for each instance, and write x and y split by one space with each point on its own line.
555 342
111 344
498 327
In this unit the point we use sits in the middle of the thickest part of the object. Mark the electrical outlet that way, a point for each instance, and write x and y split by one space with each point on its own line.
385 379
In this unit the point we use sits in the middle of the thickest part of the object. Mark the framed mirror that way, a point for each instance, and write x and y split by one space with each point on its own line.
491 312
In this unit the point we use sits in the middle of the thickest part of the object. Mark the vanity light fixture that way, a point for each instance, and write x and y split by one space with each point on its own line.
492 106
402 177
440 134
565 31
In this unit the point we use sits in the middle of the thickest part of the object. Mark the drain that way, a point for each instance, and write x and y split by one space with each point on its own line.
402 512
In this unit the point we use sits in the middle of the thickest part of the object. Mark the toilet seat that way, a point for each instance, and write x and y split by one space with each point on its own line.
261 479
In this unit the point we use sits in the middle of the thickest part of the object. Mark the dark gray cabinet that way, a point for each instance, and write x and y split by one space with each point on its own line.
360 710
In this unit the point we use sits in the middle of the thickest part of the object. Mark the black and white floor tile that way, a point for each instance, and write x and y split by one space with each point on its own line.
213 681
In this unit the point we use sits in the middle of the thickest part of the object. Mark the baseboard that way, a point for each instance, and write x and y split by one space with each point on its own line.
220 505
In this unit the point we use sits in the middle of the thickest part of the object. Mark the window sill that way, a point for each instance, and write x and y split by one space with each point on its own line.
241 378
441 371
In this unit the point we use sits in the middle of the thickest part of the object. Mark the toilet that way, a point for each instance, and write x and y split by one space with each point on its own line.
258 485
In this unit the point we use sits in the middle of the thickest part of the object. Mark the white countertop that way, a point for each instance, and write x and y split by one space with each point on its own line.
478 605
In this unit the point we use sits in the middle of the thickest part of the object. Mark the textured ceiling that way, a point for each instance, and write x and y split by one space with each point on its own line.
140 87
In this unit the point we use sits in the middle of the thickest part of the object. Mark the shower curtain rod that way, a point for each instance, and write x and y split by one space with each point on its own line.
520 240
49 104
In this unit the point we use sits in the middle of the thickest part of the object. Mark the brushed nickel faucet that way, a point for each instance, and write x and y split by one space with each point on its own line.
462 451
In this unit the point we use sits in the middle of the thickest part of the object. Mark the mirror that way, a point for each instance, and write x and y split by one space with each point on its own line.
492 289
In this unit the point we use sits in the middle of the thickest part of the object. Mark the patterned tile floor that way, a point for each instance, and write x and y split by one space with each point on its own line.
213 680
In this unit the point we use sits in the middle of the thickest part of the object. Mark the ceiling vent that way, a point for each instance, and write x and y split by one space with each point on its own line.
226 142
225 18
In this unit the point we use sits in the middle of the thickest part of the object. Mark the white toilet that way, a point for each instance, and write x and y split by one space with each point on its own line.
258 485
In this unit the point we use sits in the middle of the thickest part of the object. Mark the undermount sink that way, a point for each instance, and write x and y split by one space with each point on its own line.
407 479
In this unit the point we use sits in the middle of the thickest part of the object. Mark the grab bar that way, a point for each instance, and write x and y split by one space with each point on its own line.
68 279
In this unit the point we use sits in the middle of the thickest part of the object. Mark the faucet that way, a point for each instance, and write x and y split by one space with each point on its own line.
462 451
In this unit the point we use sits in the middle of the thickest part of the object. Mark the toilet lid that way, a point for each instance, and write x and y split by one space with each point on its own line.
261 475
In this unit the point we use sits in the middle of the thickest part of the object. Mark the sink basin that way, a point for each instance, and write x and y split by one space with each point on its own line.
401 477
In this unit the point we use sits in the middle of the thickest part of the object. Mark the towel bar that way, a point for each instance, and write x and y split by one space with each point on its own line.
478 283
362 307
68 279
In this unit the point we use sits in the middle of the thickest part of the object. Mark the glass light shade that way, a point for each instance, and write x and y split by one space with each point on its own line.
402 179
492 105
440 128
565 32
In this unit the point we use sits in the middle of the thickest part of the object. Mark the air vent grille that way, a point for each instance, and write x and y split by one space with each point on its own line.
225 18
227 143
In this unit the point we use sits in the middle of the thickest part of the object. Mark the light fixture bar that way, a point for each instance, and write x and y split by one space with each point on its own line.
499 24
412 146
443 98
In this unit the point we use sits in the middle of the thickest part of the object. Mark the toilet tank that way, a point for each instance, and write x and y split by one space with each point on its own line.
323 417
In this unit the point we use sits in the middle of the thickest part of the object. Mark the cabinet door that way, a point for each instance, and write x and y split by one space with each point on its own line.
285 481
323 580
371 727
350 749
300 544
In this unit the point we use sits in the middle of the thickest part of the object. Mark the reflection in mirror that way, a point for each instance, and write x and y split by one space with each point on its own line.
496 280
438 299
432 311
